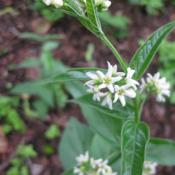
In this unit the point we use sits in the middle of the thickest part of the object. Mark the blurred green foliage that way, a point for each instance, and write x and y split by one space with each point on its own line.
152 6
52 132
49 95
118 24
18 165
9 115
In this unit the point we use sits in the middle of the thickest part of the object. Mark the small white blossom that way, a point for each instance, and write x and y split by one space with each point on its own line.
104 4
56 3
107 101
82 158
129 78
123 91
112 86
149 168
97 94
91 166
156 84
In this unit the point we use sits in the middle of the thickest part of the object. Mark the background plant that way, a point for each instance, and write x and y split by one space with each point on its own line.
48 95
152 7
10 116
19 163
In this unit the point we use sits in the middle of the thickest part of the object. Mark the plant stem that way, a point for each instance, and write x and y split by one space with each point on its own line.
139 102
115 52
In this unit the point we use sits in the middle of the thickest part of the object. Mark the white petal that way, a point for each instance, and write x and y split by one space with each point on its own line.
111 87
122 100
115 98
130 93
92 75
100 74
130 72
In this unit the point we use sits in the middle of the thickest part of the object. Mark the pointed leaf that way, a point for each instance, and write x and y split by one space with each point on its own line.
134 139
161 151
92 14
75 141
143 57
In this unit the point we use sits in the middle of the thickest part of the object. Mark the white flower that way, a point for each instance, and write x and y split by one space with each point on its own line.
121 92
82 158
129 80
112 86
97 94
93 166
107 101
56 3
104 4
149 168
110 77
160 86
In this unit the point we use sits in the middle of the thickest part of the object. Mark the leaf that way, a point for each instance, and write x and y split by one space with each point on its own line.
26 151
75 141
52 132
27 63
73 74
161 151
143 57
117 112
101 148
106 125
34 88
74 7
15 120
92 14
40 38
134 139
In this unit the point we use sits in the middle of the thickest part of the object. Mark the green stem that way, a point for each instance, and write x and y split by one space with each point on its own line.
115 52
139 102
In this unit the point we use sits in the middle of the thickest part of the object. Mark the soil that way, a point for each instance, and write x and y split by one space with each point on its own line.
161 117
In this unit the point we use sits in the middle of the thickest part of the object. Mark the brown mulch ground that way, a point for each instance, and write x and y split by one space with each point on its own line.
160 117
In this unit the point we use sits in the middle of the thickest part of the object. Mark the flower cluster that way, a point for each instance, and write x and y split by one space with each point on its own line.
149 168
102 4
87 165
56 3
156 84
112 86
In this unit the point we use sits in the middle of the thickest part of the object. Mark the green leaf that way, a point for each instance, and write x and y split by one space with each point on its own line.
106 125
117 112
92 14
26 151
75 141
52 132
134 139
15 120
34 88
73 74
161 151
143 57
74 7
40 38
102 149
